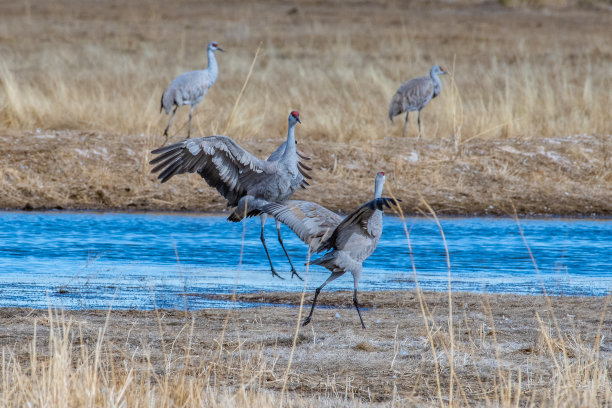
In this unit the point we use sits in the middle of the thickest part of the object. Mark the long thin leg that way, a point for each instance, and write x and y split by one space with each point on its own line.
263 241
405 122
356 275
317 291
357 307
189 127
169 122
293 271
419 121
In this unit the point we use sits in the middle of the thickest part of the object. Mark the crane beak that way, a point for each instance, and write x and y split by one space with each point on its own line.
298 119
220 49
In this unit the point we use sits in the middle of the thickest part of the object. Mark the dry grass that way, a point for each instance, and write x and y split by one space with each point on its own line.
507 351
524 120
102 66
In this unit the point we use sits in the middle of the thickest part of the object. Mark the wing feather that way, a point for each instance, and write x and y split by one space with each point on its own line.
219 160
311 222
357 221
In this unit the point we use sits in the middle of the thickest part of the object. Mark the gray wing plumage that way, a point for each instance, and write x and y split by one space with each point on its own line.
278 153
187 88
357 222
411 95
219 160
310 221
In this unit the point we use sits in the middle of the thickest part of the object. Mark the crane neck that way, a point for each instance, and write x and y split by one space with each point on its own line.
436 80
212 62
290 150
378 187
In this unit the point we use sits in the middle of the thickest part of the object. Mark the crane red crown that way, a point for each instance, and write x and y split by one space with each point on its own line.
295 114
214 44
382 172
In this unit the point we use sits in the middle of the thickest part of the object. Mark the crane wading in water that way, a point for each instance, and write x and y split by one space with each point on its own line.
246 182
415 94
351 240
190 88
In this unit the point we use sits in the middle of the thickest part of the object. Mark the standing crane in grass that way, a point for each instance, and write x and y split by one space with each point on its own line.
246 182
350 240
190 88
415 94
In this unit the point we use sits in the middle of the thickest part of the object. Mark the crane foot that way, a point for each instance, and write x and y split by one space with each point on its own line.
277 275
306 321
294 273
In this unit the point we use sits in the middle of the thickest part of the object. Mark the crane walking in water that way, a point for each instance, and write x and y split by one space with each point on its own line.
190 88
351 240
246 182
415 94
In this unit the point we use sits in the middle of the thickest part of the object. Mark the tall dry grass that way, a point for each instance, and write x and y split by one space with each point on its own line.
65 367
82 65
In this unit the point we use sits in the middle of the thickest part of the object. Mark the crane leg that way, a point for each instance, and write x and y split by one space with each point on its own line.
263 241
169 122
405 122
419 122
357 307
334 275
189 127
293 271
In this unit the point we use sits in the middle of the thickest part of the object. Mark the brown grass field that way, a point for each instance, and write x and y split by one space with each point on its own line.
523 123
496 350
524 120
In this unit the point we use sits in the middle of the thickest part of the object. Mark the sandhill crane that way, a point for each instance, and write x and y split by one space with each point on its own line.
190 88
415 94
351 240
245 181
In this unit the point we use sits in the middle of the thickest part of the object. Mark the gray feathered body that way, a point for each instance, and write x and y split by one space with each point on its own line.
415 94
191 87
353 241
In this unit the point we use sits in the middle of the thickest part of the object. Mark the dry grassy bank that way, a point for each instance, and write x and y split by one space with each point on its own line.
85 170
502 351
102 66
525 118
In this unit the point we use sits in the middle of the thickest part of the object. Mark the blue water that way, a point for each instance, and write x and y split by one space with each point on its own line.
143 261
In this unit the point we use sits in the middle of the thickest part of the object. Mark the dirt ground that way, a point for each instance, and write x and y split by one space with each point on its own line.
92 170
498 343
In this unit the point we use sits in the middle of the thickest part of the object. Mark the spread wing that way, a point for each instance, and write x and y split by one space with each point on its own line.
310 221
219 160
356 222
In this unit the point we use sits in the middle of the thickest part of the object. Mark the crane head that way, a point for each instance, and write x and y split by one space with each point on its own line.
295 115
439 70
213 45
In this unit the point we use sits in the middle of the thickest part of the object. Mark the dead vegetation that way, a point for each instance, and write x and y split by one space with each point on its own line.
87 170
503 350
523 120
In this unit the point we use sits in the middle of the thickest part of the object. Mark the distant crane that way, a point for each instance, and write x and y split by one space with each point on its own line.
415 94
190 88
245 181
351 240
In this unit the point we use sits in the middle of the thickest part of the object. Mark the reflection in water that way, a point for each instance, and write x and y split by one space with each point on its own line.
93 260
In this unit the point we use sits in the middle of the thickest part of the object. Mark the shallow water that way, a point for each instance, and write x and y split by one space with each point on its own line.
143 261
